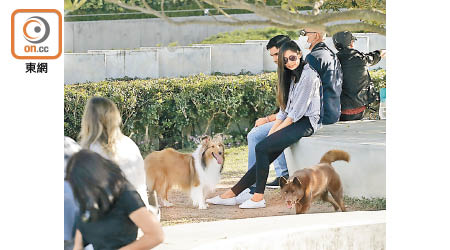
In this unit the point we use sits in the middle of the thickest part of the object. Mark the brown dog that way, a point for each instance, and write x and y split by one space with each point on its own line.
198 172
309 183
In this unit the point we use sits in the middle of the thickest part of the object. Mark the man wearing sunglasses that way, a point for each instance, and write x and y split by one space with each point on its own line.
262 128
325 62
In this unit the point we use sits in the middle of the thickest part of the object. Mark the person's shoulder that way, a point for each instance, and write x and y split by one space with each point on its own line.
126 149
126 143
312 60
130 198
308 69
310 73
97 148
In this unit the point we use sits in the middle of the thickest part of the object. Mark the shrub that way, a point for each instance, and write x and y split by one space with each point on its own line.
379 79
158 113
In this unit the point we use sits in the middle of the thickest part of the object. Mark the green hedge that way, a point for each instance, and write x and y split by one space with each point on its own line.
172 111
158 113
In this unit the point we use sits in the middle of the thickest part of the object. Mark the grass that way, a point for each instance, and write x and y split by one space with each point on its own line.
362 204
236 165
184 221
366 203
239 36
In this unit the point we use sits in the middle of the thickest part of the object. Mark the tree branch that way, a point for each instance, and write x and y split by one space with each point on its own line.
201 7
367 15
70 6
353 27
316 8
276 17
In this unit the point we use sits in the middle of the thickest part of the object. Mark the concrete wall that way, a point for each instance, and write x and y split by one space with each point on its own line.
142 64
235 58
268 64
332 231
135 33
184 61
83 67
178 61
365 141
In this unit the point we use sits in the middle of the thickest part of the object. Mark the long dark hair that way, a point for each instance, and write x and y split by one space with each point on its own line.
285 75
96 183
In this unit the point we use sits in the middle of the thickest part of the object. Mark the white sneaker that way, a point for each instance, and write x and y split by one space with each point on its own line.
251 204
219 201
243 196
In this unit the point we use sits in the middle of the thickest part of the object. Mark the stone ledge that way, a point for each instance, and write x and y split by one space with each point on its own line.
365 141
349 230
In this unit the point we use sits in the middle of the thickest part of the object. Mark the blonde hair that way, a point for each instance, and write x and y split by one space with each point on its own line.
100 123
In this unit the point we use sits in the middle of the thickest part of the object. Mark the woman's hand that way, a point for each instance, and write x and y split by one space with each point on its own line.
265 120
280 125
275 126
261 121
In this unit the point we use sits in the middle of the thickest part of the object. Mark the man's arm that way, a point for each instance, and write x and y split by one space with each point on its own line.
374 57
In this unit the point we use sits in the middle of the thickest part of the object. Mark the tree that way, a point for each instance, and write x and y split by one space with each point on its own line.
323 15
72 5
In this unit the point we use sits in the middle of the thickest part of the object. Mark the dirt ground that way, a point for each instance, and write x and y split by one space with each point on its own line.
235 167
184 212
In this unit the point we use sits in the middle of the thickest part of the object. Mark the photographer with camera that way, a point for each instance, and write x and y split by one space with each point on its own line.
357 87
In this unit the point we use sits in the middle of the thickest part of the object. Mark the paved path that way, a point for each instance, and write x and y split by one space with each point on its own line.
361 229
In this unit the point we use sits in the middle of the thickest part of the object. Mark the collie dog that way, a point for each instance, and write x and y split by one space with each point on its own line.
197 173
309 183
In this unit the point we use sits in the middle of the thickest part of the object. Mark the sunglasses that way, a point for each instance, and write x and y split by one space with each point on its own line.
304 32
290 58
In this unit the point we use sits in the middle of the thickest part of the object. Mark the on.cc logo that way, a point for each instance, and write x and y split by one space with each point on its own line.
40 28
36 34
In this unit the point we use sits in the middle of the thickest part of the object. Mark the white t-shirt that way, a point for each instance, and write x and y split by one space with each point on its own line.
130 160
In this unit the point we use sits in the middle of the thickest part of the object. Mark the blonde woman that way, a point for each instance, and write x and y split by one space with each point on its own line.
100 132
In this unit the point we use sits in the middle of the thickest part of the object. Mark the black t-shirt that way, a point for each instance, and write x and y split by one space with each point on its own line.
115 229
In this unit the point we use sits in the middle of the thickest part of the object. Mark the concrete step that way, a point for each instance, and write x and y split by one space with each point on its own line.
365 141
349 230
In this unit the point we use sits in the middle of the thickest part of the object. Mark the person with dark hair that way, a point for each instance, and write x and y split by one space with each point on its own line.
298 95
110 208
326 63
274 45
261 129
357 88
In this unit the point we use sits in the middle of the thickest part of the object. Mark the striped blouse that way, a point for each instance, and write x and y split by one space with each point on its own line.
304 98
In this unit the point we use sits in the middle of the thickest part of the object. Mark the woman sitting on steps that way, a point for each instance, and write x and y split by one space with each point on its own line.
299 99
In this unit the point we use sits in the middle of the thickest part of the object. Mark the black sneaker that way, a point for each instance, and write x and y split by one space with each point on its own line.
276 183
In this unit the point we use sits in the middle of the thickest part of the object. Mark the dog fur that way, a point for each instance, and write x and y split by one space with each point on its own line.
197 173
309 183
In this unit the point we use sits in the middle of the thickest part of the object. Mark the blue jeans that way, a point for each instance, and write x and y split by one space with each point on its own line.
256 135
268 150
70 211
